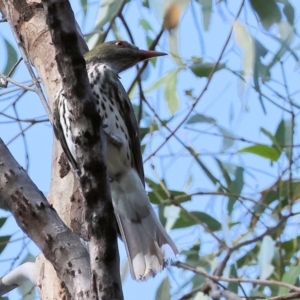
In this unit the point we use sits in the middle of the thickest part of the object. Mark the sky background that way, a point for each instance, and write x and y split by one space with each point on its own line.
237 111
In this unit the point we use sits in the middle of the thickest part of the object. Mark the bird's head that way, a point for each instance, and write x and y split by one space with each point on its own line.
119 55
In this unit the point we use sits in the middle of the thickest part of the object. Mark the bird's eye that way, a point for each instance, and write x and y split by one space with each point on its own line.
119 43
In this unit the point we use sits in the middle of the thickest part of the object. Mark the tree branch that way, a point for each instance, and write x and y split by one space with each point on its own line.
90 146
41 223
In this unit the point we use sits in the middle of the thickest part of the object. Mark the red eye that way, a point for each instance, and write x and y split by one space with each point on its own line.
119 43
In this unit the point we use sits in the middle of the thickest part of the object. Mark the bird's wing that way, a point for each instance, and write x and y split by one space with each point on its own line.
130 121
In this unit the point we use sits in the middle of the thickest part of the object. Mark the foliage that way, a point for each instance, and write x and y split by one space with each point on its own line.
218 123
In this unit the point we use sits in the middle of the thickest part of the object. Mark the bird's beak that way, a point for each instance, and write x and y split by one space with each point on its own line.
147 54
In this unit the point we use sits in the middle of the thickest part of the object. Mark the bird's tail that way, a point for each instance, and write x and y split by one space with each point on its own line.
147 243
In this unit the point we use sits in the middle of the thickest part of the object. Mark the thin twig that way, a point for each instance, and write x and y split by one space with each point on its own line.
185 266
204 88
38 88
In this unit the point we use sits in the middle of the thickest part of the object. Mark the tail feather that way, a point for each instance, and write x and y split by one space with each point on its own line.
144 237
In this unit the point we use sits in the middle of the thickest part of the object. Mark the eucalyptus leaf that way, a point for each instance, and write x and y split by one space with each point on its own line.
206 7
267 11
205 69
163 292
263 151
12 57
188 219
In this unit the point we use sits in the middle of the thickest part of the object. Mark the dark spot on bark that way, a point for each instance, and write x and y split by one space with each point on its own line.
64 165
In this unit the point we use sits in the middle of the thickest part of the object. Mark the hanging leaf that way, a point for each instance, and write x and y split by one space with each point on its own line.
3 242
145 24
106 10
267 11
84 6
284 136
12 57
170 93
290 277
235 187
265 257
174 49
2 221
163 292
233 286
205 69
169 81
289 13
206 8
246 43
200 118
263 151
158 194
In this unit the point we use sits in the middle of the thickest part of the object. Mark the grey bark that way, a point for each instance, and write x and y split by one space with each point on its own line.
37 218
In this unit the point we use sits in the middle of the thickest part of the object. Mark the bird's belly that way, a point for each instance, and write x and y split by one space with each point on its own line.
118 152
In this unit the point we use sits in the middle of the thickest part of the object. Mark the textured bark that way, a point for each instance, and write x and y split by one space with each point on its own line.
90 141
42 224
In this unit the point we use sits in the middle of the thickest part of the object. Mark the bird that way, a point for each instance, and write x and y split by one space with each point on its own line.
147 243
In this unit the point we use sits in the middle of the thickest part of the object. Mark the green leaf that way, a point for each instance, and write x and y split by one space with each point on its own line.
246 43
146 26
233 286
151 129
235 187
284 136
199 118
289 13
263 151
84 6
163 292
145 3
12 57
272 138
2 221
228 138
205 69
106 10
174 49
192 255
188 219
223 168
3 242
290 277
158 194
267 11
206 6
170 93
265 257
169 81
